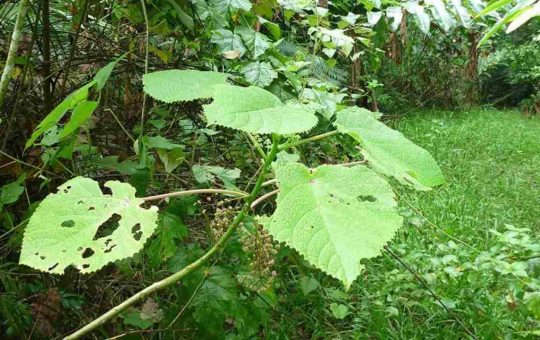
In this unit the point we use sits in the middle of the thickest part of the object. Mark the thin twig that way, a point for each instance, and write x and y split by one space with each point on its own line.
195 192
307 140
433 294
263 197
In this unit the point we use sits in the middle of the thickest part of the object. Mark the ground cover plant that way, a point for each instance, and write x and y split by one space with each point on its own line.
269 169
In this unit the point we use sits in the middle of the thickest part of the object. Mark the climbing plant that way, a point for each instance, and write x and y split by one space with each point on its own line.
333 215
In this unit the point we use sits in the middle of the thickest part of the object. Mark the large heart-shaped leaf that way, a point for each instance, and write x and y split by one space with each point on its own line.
81 226
182 85
334 216
253 109
388 151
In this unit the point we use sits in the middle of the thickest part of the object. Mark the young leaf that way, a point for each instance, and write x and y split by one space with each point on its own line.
253 109
334 216
389 151
182 85
68 227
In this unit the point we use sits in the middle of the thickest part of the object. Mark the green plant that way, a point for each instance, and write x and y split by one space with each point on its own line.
334 215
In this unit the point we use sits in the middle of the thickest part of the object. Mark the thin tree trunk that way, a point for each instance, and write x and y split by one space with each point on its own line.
472 68
46 41
13 48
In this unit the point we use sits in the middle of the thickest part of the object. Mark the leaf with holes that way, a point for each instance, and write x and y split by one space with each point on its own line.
83 227
253 109
182 85
389 152
334 216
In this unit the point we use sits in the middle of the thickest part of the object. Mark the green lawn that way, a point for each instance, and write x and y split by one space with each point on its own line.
491 160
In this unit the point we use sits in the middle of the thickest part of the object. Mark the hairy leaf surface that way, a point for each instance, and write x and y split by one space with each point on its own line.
253 109
389 151
182 85
334 216
65 229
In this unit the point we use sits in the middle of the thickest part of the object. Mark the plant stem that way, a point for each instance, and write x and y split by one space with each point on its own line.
262 198
196 191
146 57
256 144
13 48
170 280
307 140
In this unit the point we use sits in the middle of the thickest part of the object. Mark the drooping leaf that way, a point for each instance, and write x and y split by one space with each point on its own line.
259 73
171 159
422 19
462 13
76 226
253 109
72 102
160 142
206 173
525 15
59 111
389 152
80 115
126 167
334 216
182 85
441 14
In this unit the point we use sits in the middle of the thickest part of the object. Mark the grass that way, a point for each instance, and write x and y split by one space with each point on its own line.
491 160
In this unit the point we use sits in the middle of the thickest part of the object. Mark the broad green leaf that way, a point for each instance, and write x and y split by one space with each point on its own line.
524 15
182 85
207 173
185 18
389 152
334 216
462 13
171 159
259 74
160 142
228 41
493 6
339 311
75 227
440 13
256 42
272 27
422 19
103 75
214 300
253 109
233 5
126 167
80 115
171 229
10 193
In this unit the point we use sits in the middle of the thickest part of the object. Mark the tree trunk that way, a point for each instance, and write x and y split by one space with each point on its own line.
13 48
